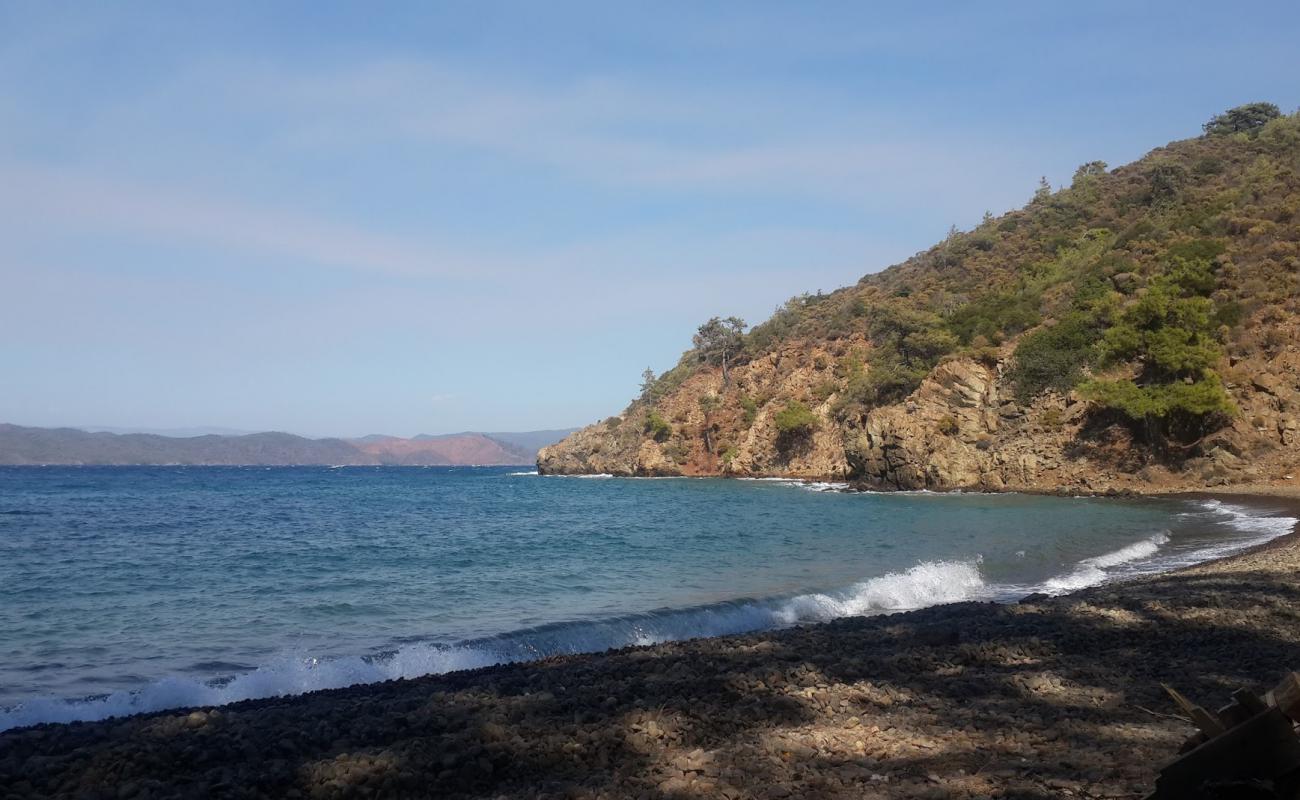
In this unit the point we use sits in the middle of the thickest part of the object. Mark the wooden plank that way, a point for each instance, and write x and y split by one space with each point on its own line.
1207 722
1249 701
1265 747
1233 714
1286 696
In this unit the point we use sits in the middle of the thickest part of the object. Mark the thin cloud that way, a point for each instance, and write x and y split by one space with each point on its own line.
623 133
65 201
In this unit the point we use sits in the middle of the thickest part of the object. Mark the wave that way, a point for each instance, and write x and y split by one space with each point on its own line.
533 472
812 486
1249 520
286 675
824 486
1259 526
1141 557
1092 571
926 584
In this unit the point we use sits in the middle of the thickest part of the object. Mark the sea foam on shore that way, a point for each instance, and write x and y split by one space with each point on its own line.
925 584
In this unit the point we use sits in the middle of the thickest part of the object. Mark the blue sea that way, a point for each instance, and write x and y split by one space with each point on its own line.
129 589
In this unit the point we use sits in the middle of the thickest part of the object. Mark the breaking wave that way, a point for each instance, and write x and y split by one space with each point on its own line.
925 584
1149 556
1092 571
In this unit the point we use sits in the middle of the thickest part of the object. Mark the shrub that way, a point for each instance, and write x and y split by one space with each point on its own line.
1166 181
886 382
656 426
948 426
1199 398
749 406
1171 332
795 418
1053 358
668 382
994 315
824 390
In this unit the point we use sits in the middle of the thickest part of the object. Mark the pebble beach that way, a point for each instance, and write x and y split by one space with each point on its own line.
1049 697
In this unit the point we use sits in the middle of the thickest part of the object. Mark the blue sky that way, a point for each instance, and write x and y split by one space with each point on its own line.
338 219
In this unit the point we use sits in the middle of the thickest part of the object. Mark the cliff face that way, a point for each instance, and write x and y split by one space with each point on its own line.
804 397
961 429
725 440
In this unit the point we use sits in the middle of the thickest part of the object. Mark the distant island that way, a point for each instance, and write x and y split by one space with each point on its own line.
73 446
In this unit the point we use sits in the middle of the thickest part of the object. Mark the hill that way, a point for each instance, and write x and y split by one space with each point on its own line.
1137 329
449 449
26 446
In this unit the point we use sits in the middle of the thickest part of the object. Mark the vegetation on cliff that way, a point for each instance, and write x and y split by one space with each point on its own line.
1132 290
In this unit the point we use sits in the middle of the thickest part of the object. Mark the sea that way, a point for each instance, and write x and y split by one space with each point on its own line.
134 589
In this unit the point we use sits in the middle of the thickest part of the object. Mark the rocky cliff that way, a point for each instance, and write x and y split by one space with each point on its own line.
836 387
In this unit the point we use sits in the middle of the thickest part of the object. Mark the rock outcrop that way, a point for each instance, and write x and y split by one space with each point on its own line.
961 429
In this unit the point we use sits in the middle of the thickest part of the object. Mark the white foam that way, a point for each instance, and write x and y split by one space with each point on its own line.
1092 571
824 486
1258 527
928 583
287 675
1081 578
1249 520
534 472
812 486
1143 549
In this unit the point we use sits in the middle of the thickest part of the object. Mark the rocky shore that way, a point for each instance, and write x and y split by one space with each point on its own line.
1052 697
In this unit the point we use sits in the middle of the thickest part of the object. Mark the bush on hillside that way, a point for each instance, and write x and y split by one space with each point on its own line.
1053 358
749 408
656 427
1247 118
1171 332
994 316
795 419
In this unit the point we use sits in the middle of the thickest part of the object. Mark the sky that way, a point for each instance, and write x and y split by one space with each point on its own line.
341 219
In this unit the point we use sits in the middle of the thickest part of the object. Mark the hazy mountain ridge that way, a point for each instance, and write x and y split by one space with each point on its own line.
71 446
1139 329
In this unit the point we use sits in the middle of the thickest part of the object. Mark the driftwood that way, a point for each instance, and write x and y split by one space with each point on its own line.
1248 748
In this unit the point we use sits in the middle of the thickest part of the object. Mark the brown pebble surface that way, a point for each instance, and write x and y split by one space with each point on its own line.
1053 697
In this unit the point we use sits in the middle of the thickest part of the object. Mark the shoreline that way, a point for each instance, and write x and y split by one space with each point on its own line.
493 696
1279 488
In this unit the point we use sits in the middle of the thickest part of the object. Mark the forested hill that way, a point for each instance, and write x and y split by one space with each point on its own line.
1136 329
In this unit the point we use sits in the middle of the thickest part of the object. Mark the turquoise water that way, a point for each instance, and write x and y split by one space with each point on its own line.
135 588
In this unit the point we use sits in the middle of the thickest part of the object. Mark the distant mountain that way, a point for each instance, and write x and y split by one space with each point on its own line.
22 445
172 432
456 448
19 445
